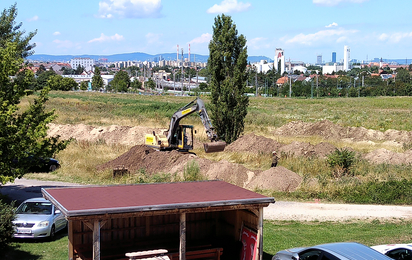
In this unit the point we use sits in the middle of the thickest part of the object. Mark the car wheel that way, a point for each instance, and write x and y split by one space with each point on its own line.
52 168
52 233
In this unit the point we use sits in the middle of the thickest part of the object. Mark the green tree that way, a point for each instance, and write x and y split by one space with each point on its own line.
150 84
10 33
120 82
7 215
403 75
43 78
22 132
97 80
227 66
83 85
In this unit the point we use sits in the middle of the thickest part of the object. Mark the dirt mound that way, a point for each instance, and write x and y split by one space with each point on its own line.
152 161
114 134
277 178
329 130
385 156
323 149
254 144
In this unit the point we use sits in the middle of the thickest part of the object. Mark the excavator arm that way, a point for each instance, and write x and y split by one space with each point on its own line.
196 105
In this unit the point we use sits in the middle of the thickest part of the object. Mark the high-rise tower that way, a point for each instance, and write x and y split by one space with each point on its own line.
279 61
346 58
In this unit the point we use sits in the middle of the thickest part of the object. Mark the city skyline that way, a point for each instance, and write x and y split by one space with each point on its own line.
303 29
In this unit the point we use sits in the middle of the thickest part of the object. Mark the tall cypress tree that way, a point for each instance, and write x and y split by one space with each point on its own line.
227 66
22 132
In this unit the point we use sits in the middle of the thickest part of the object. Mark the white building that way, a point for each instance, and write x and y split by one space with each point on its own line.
279 57
263 66
86 63
329 69
346 58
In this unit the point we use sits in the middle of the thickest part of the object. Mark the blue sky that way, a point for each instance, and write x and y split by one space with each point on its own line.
303 28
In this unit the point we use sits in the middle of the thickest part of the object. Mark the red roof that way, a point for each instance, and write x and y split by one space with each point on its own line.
89 200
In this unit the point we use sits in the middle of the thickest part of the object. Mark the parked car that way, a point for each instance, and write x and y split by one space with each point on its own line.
40 164
38 218
332 251
396 251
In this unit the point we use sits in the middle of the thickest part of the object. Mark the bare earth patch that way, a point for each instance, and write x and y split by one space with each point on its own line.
279 178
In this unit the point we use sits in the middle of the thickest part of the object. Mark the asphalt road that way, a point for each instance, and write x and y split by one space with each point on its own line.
23 189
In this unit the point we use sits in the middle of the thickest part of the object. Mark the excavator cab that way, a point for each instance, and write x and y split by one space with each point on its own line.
183 138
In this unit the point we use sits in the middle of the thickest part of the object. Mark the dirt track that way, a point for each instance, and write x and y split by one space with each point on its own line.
23 189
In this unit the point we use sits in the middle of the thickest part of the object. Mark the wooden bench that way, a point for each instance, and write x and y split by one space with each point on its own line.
211 253
150 254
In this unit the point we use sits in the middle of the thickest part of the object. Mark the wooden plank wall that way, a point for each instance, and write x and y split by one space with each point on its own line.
150 232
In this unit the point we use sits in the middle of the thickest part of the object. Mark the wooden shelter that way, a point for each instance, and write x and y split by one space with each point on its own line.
191 220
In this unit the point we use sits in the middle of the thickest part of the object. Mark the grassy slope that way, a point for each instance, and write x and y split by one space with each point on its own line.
264 115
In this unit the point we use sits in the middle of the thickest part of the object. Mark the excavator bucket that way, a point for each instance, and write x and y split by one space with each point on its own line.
214 147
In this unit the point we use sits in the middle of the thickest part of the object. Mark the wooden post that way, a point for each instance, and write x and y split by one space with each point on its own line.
96 240
182 248
70 237
97 224
260 234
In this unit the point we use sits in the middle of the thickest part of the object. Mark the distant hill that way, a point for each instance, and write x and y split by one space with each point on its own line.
135 56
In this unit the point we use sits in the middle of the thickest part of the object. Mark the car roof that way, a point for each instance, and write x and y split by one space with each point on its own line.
39 199
352 250
386 248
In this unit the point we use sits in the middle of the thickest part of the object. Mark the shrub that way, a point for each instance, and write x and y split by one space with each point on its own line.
7 215
192 172
341 160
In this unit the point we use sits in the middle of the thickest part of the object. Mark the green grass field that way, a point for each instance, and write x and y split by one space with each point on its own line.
264 115
277 235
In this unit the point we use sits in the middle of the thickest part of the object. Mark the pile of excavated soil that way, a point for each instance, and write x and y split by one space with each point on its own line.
321 150
277 178
113 134
385 156
152 161
254 144
329 130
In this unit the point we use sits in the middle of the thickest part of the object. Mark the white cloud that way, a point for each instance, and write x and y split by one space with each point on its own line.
34 18
204 38
331 25
229 6
395 37
104 38
129 8
337 2
56 33
320 36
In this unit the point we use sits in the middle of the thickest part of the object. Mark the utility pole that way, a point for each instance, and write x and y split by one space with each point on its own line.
256 84
181 77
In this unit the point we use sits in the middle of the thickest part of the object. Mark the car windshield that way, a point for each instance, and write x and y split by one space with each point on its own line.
43 208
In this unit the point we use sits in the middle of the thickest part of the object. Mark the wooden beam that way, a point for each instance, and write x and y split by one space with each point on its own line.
168 212
96 240
260 235
95 226
182 247
70 237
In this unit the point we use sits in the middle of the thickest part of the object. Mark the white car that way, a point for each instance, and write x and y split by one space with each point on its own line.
38 218
396 251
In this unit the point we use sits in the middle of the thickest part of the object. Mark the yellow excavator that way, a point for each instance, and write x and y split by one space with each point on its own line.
180 137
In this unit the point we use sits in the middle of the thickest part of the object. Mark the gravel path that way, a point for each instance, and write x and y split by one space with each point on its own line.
23 189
